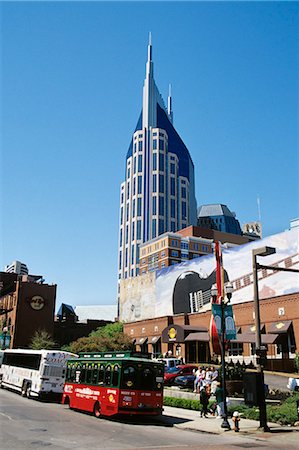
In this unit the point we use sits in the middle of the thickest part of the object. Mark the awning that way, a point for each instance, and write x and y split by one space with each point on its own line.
141 341
279 327
154 339
202 336
251 339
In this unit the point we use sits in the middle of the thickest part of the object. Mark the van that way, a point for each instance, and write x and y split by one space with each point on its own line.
170 362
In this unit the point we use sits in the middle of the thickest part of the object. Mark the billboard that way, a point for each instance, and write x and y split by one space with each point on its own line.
185 287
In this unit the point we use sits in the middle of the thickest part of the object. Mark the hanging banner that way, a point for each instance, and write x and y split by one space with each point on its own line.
230 328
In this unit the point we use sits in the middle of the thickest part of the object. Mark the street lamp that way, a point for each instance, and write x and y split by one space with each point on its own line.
260 349
228 289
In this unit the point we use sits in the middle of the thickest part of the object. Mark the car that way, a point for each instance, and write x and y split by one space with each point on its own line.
182 369
184 381
169 362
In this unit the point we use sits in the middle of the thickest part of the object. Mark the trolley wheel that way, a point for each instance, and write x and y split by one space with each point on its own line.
24 389
28 390
97 410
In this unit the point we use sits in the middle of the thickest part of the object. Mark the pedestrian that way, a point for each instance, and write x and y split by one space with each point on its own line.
219 394
204 401
214 379
197 374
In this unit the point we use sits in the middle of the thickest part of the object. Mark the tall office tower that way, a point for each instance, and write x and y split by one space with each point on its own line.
17 267
158 193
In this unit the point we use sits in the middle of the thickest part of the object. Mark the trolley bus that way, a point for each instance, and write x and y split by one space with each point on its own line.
36 373
110 383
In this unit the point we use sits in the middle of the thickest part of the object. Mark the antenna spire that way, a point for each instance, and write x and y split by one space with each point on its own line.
169 104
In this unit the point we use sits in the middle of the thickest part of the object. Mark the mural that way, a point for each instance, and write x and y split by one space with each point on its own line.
185 287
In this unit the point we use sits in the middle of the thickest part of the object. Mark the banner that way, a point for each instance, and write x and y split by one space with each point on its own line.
230 328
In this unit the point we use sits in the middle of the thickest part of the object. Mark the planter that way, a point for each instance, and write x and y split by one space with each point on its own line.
234 387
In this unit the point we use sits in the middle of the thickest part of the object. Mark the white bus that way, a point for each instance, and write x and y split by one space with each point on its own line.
36 373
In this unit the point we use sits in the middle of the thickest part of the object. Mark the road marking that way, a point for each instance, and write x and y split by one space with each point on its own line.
6 415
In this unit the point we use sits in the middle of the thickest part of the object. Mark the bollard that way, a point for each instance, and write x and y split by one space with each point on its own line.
236 420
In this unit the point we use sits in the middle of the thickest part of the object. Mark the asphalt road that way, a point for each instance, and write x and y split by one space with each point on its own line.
29 424
276 381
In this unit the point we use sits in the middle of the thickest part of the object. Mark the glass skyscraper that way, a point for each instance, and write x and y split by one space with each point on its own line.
158 193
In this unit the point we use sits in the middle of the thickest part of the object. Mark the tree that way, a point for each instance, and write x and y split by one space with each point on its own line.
107 338
42 340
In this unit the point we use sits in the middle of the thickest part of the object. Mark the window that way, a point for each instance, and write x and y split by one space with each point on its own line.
120 260
139 206
161 161
154 206
154 161
115 376
108 375
126 258
184 245
161 144
161 226
134 185
163 254
140 146
127 233
129 173
132 254
154 228
184 210
129 377
122 197
195 246
148 379
121 237
154 144
172 169
161 205
127 212
121 215
172 208
128 191
138 229
161 183
139 184
134 164
184 255
172 226
88 374
139 163
172 186
174 243
133 208
174 253
154 183
183 192
235 349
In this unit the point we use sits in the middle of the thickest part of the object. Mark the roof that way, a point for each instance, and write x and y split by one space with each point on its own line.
96 312
216 209
250 338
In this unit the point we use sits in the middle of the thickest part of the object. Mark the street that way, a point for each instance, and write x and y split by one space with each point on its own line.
30 424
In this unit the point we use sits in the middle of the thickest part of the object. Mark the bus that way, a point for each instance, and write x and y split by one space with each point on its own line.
34 373
111 383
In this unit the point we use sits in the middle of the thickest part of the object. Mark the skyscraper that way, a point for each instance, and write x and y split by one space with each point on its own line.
158 193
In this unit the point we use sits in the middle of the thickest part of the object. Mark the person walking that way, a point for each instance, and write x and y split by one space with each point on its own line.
197 379
204 401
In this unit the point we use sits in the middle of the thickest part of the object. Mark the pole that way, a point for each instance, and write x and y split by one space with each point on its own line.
225 423
262 403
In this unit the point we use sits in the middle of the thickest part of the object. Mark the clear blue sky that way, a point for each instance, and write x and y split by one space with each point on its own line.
72 76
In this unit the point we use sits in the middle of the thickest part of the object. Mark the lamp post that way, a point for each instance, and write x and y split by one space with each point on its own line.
228 289
260 349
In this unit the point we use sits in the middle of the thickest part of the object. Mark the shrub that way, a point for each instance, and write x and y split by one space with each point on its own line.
296 361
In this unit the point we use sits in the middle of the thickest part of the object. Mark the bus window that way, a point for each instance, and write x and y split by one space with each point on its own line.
88 373
115 376
129 377
108 375
77 377
94 379
147 379
101 374
83 374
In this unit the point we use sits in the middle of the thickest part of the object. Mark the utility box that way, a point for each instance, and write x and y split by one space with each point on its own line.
252 388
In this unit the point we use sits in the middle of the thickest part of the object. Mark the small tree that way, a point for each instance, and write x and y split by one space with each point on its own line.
42 340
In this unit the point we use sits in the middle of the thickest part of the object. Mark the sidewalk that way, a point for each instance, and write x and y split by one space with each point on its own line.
191 420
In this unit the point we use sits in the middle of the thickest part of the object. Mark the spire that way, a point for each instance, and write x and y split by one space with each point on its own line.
169 104
149 64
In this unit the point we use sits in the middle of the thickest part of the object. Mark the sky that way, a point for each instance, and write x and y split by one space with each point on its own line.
71 92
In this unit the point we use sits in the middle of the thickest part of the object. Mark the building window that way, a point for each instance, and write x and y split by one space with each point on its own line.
154 228
138 229
235 349
174 243
140 146
139 206
139 163
134 164
161 183
154 144
161 161
121 237
184 211
121 215
133 231
120 259
154 205
126 258
133 208
122 198
184 255
172 226
154 161
139 184
183 192
174 253
184 245
163 254
161 226
154 183
172 208
127 233
128 191
172 186
172 169
196 247
161 205
132 254
129 173
161 144
195 255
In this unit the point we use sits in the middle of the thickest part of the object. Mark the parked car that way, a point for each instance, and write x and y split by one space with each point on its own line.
184 381
172 374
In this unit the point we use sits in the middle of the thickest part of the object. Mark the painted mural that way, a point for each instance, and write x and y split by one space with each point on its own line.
185 287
